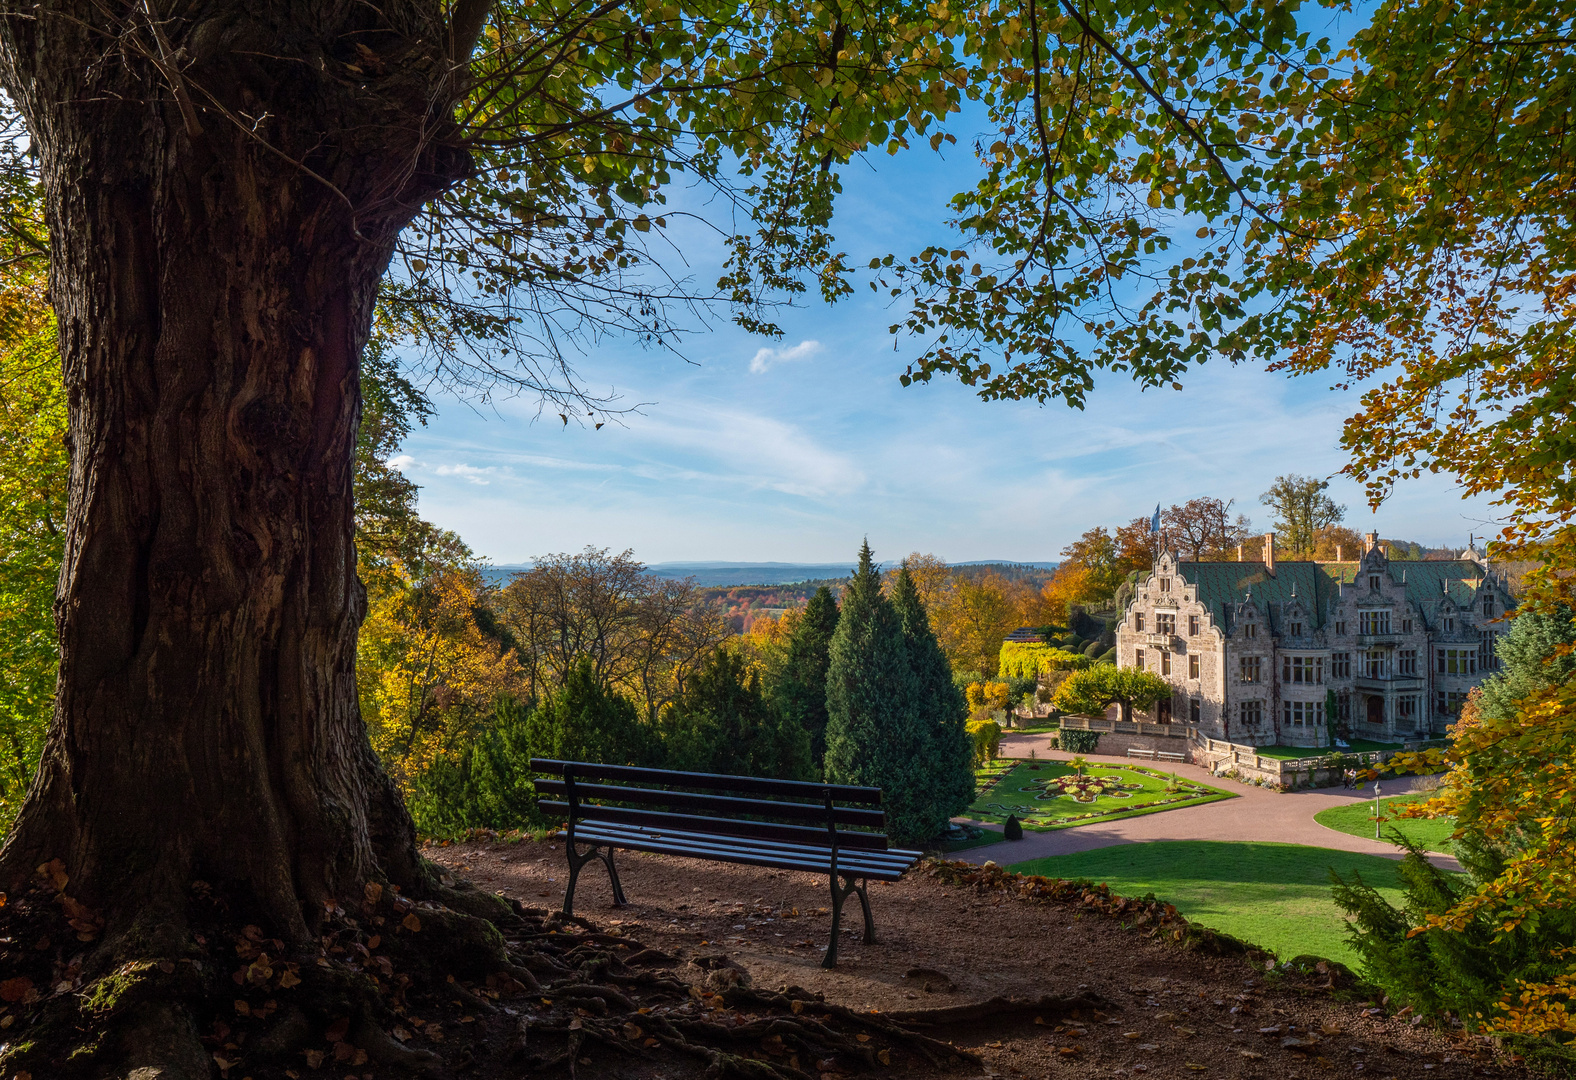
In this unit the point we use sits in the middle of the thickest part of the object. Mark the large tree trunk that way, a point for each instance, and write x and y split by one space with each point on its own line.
214 277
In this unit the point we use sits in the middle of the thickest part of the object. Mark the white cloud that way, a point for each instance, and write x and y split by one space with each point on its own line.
401 462
467 472
765 358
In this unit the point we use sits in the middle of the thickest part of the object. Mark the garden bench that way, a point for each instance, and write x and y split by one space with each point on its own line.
782 824
1156 755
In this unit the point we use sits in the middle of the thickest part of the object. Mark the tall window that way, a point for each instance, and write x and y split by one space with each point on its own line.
1138 621
1165 584
1165 624
1406 711
1374 665
1488 657
1192 625
1165 662
1194 710
1448 702
1406 626
1340 626
1296 629
1456 661
1192 666
1138 659
1488 607
1341 665
1251 668
1406 662
1373 582
1448 624
1251 630
1252 713
1373 622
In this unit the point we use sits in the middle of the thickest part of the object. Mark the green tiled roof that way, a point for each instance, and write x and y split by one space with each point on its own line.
1315 584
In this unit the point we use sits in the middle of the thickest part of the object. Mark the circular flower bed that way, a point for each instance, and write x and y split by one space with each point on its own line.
1086 789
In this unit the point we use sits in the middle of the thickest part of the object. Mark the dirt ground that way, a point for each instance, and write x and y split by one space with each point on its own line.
1151 1007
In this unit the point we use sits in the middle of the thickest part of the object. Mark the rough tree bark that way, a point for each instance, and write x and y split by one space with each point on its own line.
224 181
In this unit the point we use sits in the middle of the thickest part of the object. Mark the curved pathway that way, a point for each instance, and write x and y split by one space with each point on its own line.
1257 814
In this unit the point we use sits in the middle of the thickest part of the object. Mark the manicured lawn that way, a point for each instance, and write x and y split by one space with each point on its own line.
1047 795
1359 746
1358 819
1276 896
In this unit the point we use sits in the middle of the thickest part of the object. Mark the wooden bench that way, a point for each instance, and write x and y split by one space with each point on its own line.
783 824
1156 755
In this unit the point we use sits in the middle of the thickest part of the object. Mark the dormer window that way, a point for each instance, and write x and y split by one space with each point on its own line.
1373 582
1296 629
1488 607
1448 624
1251 630
1165 584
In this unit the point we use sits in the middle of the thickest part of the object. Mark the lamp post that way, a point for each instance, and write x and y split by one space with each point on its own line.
1376 809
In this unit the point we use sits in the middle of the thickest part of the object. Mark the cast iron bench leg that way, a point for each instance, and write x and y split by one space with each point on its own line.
577 860
864 902
612 876
839 894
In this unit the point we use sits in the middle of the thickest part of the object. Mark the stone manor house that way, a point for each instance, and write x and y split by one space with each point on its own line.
1257 652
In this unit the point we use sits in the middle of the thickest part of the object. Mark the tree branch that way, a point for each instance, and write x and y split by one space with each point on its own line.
465 27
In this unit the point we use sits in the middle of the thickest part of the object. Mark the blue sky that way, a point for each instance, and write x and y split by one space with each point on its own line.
795 450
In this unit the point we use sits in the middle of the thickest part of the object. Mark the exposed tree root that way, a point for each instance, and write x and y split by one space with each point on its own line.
415 988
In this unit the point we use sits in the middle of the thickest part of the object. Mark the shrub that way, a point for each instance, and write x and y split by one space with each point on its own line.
987 740
1093 649
1077 742
1464 972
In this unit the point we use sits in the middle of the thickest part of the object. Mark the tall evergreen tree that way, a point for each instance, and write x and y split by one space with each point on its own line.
872 733
800 693
939 708
722 723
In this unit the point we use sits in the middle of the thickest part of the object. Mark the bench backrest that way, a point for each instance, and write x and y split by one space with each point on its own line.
743 806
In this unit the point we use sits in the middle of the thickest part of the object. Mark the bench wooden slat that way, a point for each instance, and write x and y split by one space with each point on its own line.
743 856
888 857
843 815
809 834
715 781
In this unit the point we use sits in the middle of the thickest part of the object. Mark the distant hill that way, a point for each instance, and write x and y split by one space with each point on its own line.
723 575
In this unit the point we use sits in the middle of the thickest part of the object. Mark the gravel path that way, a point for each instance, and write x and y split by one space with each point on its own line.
1258 814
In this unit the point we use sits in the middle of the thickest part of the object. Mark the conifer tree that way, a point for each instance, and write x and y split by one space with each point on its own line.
872 734
800 693
939 708
722 723
585 721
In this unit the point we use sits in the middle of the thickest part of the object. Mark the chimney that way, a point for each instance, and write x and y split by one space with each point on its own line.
1269 552
1338 553
1239 552
1370 541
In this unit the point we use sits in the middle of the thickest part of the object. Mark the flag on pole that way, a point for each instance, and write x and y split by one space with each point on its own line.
1154 522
